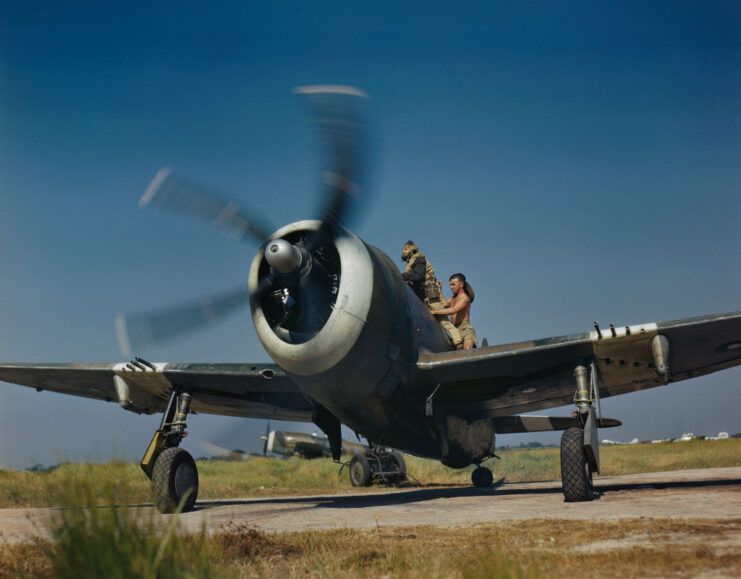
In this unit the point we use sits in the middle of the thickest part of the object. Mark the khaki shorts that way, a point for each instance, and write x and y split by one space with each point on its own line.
453 334
467 332
450 329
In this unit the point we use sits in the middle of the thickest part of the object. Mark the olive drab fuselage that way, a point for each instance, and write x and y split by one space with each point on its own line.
361 365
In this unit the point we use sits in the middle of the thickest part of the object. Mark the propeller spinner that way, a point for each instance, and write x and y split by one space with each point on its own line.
282 256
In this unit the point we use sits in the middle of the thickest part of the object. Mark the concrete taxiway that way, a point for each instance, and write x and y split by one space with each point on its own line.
691 494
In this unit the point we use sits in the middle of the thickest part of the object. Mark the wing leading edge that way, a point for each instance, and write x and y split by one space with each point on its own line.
247 390
509 379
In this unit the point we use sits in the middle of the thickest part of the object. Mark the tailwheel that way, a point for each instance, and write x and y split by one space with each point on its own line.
360 472
175 479
482 477
576 474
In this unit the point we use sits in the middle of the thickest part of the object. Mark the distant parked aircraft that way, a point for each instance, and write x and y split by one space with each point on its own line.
305 445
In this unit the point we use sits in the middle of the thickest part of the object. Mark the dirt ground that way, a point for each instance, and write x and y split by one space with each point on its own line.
710 494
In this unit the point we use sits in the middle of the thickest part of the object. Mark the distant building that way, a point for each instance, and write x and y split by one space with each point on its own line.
721 436
686 437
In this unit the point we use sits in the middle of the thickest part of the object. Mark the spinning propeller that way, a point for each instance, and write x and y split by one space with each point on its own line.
299 276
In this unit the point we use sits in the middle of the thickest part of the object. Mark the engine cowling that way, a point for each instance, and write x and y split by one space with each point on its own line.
364 329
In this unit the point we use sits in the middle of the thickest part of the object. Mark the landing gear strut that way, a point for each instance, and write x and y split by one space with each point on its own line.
377 465
579 445
172 470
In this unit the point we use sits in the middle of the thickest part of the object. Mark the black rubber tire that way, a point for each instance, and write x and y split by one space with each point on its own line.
360 473
482 477
397 459
576 476
175 475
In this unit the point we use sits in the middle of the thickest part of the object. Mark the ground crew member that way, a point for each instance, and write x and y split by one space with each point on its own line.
420 276
416 270
460 307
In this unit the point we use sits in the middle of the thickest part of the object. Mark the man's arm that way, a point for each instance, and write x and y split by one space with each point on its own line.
459 303
443 300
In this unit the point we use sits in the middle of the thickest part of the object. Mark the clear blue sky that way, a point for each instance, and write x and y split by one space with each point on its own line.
578 161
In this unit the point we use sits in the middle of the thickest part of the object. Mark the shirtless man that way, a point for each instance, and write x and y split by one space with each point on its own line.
460 307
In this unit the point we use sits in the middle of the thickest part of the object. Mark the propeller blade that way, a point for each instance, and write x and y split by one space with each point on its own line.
300 296
337 117
137 331
173 193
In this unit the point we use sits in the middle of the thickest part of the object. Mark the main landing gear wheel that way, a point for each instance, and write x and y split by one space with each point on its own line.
360 472
482 477
576 475
175 476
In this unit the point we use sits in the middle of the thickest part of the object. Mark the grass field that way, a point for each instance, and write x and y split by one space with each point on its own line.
270 477
121 542
122 546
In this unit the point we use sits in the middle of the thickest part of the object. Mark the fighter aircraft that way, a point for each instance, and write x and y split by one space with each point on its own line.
305 445
353 345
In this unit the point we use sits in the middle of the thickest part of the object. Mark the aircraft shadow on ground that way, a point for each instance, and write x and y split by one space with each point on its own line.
426 494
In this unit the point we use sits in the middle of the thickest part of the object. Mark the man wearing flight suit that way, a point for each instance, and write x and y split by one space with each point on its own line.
420 276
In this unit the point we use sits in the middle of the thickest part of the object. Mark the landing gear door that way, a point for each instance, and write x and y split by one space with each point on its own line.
591 440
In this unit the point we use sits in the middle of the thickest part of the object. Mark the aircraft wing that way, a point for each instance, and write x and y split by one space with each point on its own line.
248 390
510 379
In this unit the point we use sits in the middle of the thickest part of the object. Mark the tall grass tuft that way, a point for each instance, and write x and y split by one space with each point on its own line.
116 540
51 489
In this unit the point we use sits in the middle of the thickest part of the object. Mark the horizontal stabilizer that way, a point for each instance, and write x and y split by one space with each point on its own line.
513 424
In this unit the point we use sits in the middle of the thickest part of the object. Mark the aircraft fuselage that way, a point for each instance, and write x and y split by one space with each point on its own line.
360 364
